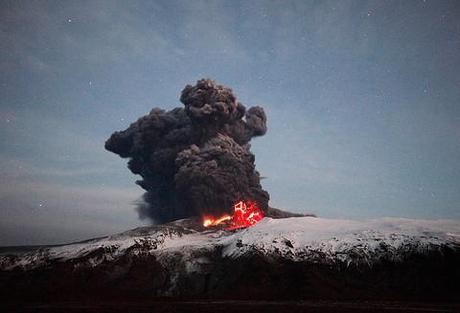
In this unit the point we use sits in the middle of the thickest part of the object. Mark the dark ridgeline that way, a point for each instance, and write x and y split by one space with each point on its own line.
194 160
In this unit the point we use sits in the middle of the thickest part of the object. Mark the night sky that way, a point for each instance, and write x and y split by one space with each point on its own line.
362 98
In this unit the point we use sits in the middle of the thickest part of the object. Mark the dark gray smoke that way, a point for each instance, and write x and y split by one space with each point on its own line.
194 160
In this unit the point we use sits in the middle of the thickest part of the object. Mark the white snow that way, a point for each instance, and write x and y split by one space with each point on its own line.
299 238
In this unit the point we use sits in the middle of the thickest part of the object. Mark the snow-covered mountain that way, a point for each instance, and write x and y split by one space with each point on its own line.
301 257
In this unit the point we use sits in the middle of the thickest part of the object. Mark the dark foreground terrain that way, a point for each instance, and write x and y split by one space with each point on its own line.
231 306
289 265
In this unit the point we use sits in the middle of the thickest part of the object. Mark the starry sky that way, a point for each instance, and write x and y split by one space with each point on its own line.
362 98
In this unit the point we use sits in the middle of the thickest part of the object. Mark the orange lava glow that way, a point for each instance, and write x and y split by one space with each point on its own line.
245 214
209 221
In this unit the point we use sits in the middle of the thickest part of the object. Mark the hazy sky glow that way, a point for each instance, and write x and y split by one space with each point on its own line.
362 98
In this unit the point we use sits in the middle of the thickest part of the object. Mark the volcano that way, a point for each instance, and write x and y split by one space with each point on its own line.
301 258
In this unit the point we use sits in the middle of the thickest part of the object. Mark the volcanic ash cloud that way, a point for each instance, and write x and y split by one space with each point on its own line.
194 160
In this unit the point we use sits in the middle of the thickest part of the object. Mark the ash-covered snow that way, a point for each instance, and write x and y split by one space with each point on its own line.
298 239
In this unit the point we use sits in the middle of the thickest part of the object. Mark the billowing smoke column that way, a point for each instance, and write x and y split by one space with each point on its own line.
194 160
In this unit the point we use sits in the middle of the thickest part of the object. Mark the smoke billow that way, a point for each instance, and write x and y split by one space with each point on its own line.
194 160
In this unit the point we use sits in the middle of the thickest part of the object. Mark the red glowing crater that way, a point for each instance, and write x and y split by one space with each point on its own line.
245 214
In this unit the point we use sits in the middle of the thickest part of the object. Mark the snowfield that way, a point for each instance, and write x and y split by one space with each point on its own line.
317 240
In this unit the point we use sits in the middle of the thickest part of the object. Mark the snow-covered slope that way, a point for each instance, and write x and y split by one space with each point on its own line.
298 239
307 255
345 240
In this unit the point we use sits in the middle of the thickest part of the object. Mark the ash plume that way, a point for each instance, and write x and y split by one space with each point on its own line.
194 160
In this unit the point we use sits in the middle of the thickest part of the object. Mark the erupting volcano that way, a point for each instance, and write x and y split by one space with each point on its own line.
245 214
196 160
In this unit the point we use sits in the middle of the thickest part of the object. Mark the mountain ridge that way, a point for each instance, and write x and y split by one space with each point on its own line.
310 258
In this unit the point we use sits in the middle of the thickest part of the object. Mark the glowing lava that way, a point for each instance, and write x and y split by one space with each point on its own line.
245 214
209 221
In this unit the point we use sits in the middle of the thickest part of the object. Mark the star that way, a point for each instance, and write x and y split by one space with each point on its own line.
69 20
